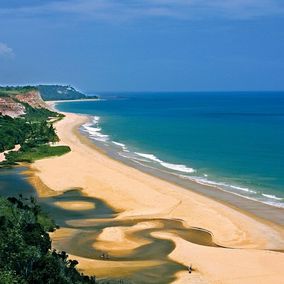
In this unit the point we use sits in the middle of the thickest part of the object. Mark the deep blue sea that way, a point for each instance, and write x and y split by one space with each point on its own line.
234 141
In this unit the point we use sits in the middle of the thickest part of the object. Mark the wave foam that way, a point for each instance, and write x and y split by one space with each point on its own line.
271 196
175 167
205 181
123 146
254 195
243 189
93 129
94 132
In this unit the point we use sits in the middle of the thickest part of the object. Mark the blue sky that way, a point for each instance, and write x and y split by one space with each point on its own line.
150 45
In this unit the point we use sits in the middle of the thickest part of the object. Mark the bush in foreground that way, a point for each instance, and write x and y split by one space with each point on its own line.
25 247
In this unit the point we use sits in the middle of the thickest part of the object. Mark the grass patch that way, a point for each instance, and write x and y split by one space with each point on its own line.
15 90
40 152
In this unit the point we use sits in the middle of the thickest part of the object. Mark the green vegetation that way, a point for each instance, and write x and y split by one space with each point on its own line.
26 256
40 114
34 131
47 92
37 153
14 90
26 131
25 247
57 92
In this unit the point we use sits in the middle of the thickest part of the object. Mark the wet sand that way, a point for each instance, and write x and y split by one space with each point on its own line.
153 223
124 248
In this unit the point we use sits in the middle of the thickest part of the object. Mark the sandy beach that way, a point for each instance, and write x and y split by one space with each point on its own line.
2 155
139 196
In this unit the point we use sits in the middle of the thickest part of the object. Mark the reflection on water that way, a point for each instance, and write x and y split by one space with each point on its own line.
88 224
61 215
12 183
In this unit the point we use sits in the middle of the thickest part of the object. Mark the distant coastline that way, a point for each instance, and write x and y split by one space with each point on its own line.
70 101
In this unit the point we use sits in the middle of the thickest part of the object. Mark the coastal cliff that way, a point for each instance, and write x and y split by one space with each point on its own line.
15 100
26 126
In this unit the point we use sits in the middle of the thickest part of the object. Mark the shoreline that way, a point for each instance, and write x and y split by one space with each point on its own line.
252 207
137 194
52 103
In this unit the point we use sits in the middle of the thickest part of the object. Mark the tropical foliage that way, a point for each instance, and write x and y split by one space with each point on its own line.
33 132
25 247
57 92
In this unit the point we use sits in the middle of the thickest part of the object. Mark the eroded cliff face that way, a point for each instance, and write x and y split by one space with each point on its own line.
13 106
33 98
9 107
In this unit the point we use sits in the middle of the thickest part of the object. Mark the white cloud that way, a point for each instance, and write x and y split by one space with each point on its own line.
133 9
6 51
184 9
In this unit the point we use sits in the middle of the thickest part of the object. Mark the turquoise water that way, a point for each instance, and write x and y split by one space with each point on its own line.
233 141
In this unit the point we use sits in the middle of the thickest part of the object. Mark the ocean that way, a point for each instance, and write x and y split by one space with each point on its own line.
230 140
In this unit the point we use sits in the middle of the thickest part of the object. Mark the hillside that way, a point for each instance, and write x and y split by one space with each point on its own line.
57 92
15 100
26 121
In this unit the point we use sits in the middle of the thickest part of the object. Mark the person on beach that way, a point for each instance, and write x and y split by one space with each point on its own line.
189 268
104 256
